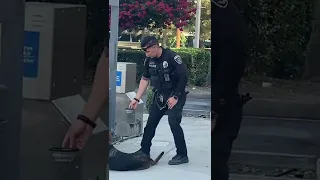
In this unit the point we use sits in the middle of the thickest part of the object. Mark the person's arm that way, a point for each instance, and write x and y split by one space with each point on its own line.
229 48
142 87
228 73
100 89
144 80
181 73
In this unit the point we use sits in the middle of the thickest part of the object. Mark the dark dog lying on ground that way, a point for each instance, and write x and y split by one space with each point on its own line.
120 161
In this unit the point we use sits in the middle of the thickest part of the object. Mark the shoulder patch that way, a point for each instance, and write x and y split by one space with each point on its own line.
177 59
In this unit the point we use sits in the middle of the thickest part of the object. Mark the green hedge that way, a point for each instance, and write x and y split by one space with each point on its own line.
279 33
196 60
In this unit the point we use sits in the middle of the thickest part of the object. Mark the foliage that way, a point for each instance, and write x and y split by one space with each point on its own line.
205 31
140 14
172 38
279 32
205 26
198 66
196 60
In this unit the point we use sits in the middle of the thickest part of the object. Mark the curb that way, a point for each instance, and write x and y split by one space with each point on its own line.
282 160
198 96
278 108
282 109
253 177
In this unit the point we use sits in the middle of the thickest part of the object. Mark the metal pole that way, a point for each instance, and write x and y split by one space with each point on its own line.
198 25
113 56
11 48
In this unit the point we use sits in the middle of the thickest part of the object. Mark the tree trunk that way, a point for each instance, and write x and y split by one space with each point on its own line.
178 38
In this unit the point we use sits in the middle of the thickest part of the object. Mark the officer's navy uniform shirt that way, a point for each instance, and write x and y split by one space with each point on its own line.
167 73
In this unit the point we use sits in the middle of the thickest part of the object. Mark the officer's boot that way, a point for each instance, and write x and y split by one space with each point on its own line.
178 159
143 153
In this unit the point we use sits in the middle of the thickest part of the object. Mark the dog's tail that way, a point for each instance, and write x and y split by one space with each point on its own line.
158 158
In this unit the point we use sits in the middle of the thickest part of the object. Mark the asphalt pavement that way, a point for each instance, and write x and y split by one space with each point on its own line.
291 136
270 141
269 134
197 107
277 142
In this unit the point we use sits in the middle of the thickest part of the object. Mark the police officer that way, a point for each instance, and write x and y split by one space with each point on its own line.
228 57
168 76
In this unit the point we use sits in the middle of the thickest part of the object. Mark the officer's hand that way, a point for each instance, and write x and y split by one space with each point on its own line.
172 102
77 135
133 104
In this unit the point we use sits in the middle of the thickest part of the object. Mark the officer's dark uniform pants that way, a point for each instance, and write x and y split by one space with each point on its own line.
225 132
174 117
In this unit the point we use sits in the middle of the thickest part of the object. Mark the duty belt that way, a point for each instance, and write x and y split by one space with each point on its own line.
161 96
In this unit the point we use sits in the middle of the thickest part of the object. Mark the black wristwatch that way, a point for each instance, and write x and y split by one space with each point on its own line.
87 121
136 100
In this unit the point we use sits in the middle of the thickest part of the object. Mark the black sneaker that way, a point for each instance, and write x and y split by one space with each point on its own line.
178 159
141 153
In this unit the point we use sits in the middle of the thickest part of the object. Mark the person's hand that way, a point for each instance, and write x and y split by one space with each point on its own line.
172 102
77 135
133 104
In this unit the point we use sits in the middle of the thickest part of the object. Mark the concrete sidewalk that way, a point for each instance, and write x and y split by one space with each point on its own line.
197 134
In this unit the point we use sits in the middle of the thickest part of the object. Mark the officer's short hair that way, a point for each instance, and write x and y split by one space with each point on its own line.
148 41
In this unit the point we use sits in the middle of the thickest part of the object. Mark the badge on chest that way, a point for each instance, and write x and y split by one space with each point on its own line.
165 64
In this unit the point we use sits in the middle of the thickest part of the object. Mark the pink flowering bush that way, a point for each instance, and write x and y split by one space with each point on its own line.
140 14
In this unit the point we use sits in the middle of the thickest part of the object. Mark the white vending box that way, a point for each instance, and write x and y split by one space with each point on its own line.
126 77
54 50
